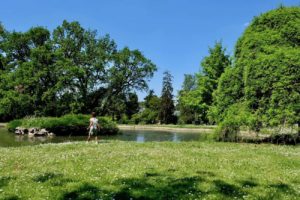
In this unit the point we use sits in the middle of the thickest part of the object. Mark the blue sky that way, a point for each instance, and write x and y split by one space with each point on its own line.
174 34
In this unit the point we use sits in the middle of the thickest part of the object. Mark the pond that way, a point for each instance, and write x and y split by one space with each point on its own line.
10 140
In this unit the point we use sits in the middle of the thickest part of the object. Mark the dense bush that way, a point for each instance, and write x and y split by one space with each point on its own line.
237 116
265 77
65 125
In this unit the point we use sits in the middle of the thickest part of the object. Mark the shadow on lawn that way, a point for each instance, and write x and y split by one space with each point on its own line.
54 179
4 180
157 186
153 185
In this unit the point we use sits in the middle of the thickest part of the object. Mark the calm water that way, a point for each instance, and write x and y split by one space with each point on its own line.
9 139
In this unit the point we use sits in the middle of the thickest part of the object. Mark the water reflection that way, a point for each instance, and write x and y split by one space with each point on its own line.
140 136
25 138
175 137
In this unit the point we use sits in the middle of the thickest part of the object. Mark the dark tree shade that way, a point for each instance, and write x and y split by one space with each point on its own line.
132 105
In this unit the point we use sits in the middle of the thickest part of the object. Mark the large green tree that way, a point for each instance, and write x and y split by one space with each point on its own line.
266 76
70 70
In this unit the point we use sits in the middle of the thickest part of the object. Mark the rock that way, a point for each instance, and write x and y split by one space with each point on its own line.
33 132
42 132
21 131
30 134
51 134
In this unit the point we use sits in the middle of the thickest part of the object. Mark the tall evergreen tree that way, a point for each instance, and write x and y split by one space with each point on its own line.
167 109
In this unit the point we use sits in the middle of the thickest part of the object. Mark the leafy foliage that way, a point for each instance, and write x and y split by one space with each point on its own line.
71 70
150 110
266 75
196 95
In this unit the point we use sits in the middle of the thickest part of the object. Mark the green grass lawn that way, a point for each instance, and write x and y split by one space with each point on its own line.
124 170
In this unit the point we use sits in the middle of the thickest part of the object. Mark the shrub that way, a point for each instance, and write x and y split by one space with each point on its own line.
237 116
65 125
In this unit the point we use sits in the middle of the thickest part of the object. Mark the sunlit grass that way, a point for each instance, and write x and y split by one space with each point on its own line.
124 170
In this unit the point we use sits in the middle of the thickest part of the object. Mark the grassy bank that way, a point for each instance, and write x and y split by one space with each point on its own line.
3 124
122 170
65 125
190 126
178 128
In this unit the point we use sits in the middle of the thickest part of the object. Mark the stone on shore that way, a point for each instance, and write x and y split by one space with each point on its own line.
33 132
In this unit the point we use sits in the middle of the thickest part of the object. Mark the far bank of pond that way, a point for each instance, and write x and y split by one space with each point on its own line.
3 124
177 128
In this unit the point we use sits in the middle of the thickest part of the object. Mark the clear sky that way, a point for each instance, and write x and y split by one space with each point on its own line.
174 34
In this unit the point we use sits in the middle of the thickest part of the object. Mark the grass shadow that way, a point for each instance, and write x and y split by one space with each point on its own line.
206 173
283 188
4 180
46 177
13 197
228 190
55 179
153 185
248 183
158 188
85 192
280 191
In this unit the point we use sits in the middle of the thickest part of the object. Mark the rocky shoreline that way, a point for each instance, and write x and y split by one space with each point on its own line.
33 132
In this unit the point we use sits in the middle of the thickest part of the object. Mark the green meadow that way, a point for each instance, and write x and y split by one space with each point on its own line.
152 170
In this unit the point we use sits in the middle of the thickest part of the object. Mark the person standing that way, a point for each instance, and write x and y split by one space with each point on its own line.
94 127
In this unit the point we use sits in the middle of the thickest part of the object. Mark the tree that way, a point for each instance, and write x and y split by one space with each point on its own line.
83 61
132 105
189 83
26 63
215 64
167 108
188 113
270 64
71 70
150 108
213 67
266 75
196 96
